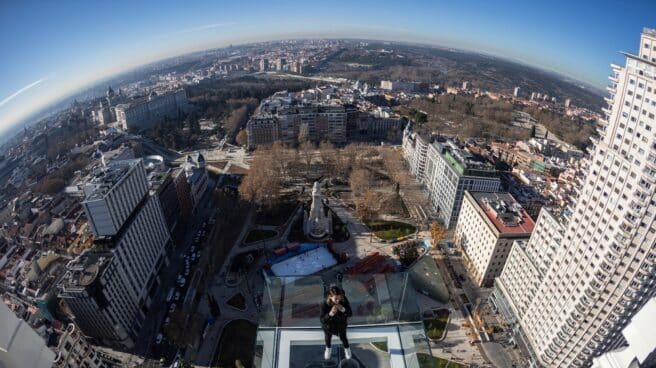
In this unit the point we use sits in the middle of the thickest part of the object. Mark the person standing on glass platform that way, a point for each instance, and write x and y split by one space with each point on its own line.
334 319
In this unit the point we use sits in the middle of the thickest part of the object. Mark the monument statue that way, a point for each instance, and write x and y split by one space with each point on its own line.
317 224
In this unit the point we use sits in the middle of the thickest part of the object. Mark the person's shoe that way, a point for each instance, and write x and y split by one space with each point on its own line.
327 354
347 353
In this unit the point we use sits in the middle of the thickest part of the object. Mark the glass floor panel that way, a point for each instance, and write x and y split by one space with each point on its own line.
373 346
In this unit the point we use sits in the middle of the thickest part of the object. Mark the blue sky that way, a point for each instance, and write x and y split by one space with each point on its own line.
49 49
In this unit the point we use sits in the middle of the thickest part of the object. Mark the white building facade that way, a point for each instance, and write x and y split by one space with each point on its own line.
447 171
74 351
150 110
20 345
602 272
488 225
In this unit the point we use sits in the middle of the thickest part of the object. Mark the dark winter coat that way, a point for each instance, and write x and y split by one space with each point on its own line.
337 323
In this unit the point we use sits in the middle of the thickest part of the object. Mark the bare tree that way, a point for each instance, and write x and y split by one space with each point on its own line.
367 204
360 181
327 153
306 152
242 137
263 183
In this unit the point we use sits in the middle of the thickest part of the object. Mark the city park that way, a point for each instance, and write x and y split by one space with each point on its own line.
324 215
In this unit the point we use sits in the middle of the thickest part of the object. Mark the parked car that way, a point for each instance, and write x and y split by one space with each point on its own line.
172 308
177 296
159 338
167 321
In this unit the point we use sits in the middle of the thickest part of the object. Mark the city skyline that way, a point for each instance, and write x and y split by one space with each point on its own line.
73 46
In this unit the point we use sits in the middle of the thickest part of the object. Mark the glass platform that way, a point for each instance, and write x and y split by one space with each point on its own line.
385 330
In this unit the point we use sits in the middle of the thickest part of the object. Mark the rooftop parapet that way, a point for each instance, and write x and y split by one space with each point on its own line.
84 270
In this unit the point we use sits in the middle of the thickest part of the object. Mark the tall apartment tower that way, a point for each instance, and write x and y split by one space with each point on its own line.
109 289
586 290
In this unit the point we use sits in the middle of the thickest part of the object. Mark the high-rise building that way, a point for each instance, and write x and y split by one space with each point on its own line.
109 289
568 102
447 170
488 225
569 299
465 86
516 92
264 64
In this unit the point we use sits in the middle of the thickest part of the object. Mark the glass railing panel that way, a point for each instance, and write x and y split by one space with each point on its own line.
381 298
266 347
416 348
301 301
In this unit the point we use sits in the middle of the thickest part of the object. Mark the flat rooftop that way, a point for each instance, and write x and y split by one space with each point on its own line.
105 178
464 162
504 212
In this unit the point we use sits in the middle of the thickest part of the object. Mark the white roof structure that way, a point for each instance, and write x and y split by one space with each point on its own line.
639 335
20 346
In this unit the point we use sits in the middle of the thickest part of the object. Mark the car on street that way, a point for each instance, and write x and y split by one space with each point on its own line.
159 338
172 308
177 296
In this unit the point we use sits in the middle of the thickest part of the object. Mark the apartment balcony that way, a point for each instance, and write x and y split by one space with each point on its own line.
621 238
586 302
581 308
615 250
606 111
635 206
640 195
590 293
609 101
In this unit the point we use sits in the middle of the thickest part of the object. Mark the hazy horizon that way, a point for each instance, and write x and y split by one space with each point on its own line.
71 51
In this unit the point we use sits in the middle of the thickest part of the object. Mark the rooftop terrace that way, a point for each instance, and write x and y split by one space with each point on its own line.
464 162
504 212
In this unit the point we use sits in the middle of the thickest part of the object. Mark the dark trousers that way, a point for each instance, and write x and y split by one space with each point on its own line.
342 336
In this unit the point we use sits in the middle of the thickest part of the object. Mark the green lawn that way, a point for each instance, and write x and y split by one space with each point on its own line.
390 230
257 235
427 361
381 345
435 326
